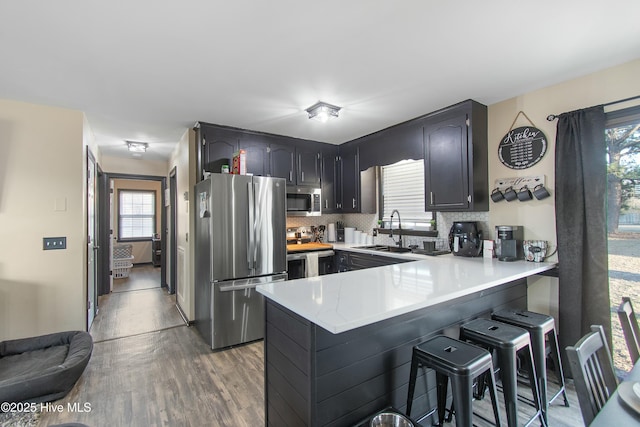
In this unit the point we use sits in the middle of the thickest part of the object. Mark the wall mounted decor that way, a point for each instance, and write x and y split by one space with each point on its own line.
522 147
522 188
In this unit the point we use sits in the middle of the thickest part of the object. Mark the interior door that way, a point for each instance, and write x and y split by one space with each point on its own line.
112 214
92 247
173 224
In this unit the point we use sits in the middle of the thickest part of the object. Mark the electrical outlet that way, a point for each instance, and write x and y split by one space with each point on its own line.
50 243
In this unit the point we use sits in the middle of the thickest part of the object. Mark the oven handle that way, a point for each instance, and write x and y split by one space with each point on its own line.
303 255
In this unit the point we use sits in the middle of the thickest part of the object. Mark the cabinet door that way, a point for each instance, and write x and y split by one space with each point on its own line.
218 147
446 160
350 178
308 170
257 148
282 161
329 180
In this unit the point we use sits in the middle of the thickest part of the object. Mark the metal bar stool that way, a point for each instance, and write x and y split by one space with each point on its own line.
539 326
507 341
462 363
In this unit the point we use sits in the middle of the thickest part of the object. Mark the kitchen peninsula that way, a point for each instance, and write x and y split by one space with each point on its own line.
338 347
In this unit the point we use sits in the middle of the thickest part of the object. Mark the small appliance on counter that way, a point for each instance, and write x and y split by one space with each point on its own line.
340 231
465 239
509 242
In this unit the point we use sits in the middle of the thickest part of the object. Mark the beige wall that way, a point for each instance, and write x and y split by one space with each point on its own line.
133 166
538 217
141 250
42 179
181 159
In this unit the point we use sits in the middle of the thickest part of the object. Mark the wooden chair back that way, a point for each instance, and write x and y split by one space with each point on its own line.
592 370
630 328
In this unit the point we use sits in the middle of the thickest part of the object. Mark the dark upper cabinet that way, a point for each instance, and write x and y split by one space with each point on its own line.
329 179
455 158
358 192
218 146
308 164
296 161
282 160
349 178
400 142
257 152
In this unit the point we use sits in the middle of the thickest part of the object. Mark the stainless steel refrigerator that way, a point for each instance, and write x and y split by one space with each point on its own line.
240 233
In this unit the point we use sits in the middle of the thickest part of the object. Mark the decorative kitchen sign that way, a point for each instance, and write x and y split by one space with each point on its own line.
522 147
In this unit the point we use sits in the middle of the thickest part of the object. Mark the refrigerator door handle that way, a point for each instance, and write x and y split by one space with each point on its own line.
238 288
250 228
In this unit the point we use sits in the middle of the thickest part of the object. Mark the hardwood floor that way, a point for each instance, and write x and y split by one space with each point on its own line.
149 369
143 276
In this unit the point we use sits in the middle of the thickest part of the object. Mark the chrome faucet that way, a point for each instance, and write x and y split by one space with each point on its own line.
393 212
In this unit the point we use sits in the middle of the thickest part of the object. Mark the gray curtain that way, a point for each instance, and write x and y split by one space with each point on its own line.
581 226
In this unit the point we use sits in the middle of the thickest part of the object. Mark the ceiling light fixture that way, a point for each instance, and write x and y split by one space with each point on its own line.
137 147
322 111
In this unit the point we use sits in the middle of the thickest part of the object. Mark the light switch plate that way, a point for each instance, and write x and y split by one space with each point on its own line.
51 243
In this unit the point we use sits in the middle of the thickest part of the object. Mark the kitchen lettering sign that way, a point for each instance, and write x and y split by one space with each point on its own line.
522 147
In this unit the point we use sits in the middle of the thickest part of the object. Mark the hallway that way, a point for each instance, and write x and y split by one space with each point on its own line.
149 368
137 305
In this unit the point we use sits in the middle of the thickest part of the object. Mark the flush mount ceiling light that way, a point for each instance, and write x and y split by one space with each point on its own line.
322 111
137 147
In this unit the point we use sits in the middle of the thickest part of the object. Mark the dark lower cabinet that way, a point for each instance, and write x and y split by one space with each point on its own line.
349 261
316 378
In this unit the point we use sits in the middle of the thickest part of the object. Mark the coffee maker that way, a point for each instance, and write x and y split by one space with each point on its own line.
509 242
465 239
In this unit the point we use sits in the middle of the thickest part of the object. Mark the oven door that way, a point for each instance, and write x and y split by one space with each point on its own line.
297 264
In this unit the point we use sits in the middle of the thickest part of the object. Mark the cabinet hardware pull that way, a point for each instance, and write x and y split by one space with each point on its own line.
291 176
302 176
354 202
469 198
431 197
326 203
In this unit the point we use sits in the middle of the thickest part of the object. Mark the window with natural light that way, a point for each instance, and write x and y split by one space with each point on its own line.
136 214
403 189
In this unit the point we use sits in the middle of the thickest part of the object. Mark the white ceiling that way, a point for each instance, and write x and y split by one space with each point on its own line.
146 70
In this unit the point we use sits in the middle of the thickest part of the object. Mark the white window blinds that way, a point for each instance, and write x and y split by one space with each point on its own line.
403 189
137 214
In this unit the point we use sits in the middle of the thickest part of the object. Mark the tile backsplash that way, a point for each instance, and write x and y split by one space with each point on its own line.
367 222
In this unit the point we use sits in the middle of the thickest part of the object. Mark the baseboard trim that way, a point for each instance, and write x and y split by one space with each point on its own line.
184 316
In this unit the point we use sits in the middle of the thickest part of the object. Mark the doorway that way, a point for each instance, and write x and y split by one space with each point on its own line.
92 238
144 247
622 135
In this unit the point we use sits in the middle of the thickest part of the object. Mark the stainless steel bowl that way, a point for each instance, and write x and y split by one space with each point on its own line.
390 419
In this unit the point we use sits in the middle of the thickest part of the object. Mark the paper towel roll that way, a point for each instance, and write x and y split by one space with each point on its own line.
331 233
357 235
348 234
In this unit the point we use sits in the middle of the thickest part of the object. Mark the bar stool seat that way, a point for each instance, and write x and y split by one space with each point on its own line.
462 363
507 341
539 327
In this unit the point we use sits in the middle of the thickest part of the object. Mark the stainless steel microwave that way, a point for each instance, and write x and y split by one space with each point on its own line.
303 201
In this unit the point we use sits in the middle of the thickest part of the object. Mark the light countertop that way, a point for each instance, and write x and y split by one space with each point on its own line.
344 301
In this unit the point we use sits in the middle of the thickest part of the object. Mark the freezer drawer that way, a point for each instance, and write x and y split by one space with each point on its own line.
237 311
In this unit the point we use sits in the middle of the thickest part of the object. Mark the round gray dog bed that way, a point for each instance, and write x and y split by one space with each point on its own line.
43 368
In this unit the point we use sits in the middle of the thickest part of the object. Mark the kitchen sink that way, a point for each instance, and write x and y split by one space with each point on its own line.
383 248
